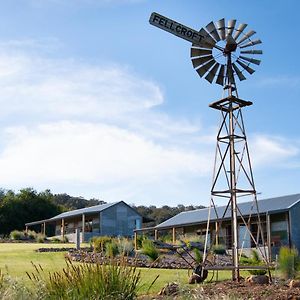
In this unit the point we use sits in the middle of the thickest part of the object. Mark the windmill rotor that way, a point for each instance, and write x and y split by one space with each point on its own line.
228 54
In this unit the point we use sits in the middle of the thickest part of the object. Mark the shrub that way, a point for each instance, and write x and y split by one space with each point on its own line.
140 239
125 246
255 255
40 238
89 281
186 238
55 240
150 250
254 260
198 256
31 234
167 238
219 249
111 249
99 243
289 262
17 235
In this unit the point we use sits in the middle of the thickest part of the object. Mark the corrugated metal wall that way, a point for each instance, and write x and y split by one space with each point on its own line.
295 225
119 220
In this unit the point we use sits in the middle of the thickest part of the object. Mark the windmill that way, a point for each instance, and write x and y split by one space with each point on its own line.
223 53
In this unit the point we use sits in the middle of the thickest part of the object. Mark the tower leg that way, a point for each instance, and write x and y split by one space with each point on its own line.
235 258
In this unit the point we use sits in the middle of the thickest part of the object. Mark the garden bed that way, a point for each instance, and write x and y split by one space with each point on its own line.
165 261
229 290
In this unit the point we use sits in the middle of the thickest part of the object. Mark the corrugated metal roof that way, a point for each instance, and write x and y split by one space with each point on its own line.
200 215
76 212
86 210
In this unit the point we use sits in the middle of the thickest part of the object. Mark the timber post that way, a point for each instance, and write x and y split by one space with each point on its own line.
135 241
174 235
83 227
62 231
269 237
44 228
217 233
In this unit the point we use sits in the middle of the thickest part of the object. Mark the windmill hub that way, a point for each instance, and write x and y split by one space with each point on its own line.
231 45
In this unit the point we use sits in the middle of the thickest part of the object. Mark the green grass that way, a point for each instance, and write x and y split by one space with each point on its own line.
16 258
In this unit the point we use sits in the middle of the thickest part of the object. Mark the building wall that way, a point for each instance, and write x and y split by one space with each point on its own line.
119 220
295 226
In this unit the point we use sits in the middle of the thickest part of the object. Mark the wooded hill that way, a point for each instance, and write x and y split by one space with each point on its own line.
27 205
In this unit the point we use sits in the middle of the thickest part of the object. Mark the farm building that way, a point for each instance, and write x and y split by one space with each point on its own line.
111 219
279 218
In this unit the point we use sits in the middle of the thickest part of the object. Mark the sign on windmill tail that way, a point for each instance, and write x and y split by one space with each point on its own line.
218 51
177 29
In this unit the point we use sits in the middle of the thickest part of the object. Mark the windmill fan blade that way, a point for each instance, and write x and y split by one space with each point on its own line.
252 52
199 52
238 72
220 78
251 43
231 24
230 75
246 36
239 30
211 74
209 41
252 60
247 68
221 28
204 68
211 28
201 60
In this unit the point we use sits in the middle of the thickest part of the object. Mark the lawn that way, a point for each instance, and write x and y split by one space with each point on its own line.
16 258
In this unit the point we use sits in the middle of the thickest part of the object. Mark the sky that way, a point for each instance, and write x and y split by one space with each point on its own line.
96 102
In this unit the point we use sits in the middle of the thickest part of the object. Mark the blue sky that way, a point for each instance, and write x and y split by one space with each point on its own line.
96 102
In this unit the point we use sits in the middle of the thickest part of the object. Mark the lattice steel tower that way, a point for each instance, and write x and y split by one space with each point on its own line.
221 54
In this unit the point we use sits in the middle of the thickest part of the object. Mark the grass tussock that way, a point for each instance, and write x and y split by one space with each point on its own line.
149 249
289 262
88 281
254 260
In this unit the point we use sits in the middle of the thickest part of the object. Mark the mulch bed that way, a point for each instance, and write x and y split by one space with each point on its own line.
244 290
231 290
166 261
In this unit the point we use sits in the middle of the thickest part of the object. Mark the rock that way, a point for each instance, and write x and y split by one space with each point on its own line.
294 283
293 297
195 278
258 279
170 289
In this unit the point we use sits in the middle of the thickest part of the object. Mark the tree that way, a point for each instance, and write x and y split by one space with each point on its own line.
25 206
153 215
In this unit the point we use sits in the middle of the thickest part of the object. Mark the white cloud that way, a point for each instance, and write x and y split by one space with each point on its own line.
84 126
272 151
85 153
33 85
